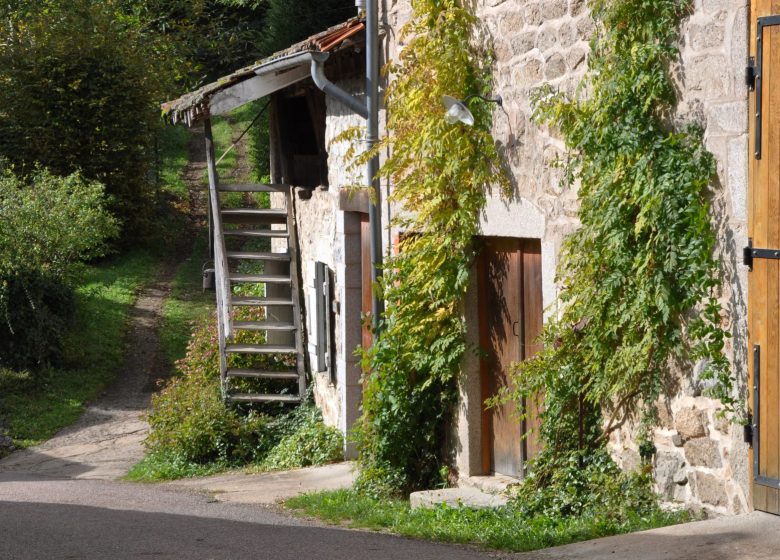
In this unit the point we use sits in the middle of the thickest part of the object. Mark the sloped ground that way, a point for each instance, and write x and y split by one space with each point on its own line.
107 440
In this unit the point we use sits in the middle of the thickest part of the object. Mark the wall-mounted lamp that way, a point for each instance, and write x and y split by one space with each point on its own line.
458 111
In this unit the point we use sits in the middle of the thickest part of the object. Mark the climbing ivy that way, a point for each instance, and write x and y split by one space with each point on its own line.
440 175
639 280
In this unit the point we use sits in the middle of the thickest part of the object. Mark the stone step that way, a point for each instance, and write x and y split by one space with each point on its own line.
493 484
456 497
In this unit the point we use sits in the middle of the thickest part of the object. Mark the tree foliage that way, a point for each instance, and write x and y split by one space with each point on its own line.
290 22
639 281
440 175
79 86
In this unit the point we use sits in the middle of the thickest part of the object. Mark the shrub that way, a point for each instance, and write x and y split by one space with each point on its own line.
591 485
48 226
191 424
36 321
305 440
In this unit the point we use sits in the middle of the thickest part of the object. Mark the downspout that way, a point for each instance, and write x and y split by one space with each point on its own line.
372 168
331 89
370 112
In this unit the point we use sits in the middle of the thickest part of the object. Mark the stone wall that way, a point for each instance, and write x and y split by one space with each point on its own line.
331 236
701 460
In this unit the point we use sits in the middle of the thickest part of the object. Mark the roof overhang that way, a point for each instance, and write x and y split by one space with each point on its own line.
277 72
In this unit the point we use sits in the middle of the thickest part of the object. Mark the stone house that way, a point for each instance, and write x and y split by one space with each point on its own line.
701 460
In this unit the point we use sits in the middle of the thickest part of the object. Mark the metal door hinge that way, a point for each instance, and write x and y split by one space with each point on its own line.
750 74
747 434
747 255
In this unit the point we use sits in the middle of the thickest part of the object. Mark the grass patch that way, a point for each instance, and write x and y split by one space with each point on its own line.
186 304
173 160
225 130
36 406
159 467
501 529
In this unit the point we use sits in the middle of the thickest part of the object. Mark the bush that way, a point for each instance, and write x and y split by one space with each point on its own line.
191 424
189 419
589 486
306 440
35 324
48 226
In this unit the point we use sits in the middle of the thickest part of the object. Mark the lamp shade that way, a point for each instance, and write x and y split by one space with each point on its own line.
456 111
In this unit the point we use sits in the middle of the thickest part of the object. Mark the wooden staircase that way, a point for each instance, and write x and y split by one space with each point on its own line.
258 296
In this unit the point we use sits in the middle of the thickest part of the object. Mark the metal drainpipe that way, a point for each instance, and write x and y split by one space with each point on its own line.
372 136
370 112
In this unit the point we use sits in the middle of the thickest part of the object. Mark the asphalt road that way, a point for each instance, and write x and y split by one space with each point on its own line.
48 518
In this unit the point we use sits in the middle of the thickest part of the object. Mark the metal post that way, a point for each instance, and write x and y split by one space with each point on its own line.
372 136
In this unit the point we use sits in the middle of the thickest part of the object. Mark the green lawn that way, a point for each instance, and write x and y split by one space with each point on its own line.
36 407
502 529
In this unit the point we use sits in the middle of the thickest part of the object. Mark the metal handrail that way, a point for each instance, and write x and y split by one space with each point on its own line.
221 273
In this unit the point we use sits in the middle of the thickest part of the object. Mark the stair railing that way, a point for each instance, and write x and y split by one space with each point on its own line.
221 272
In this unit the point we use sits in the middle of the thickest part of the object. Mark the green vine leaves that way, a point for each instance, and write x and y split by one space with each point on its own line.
639 278
440 174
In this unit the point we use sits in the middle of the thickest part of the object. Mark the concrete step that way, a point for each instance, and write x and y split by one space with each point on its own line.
491 484
456 497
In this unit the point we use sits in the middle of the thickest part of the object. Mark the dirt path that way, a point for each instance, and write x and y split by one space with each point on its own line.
107 439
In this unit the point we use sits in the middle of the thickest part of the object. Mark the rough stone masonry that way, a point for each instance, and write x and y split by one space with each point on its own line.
701 460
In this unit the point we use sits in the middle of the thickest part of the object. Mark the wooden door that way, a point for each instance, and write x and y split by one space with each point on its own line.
510 320
762 255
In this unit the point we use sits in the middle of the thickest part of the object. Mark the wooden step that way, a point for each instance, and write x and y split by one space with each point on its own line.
261 374
254 301
248 397
257 232
259 349
238 278
263 326
258 256
253 187
253 216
